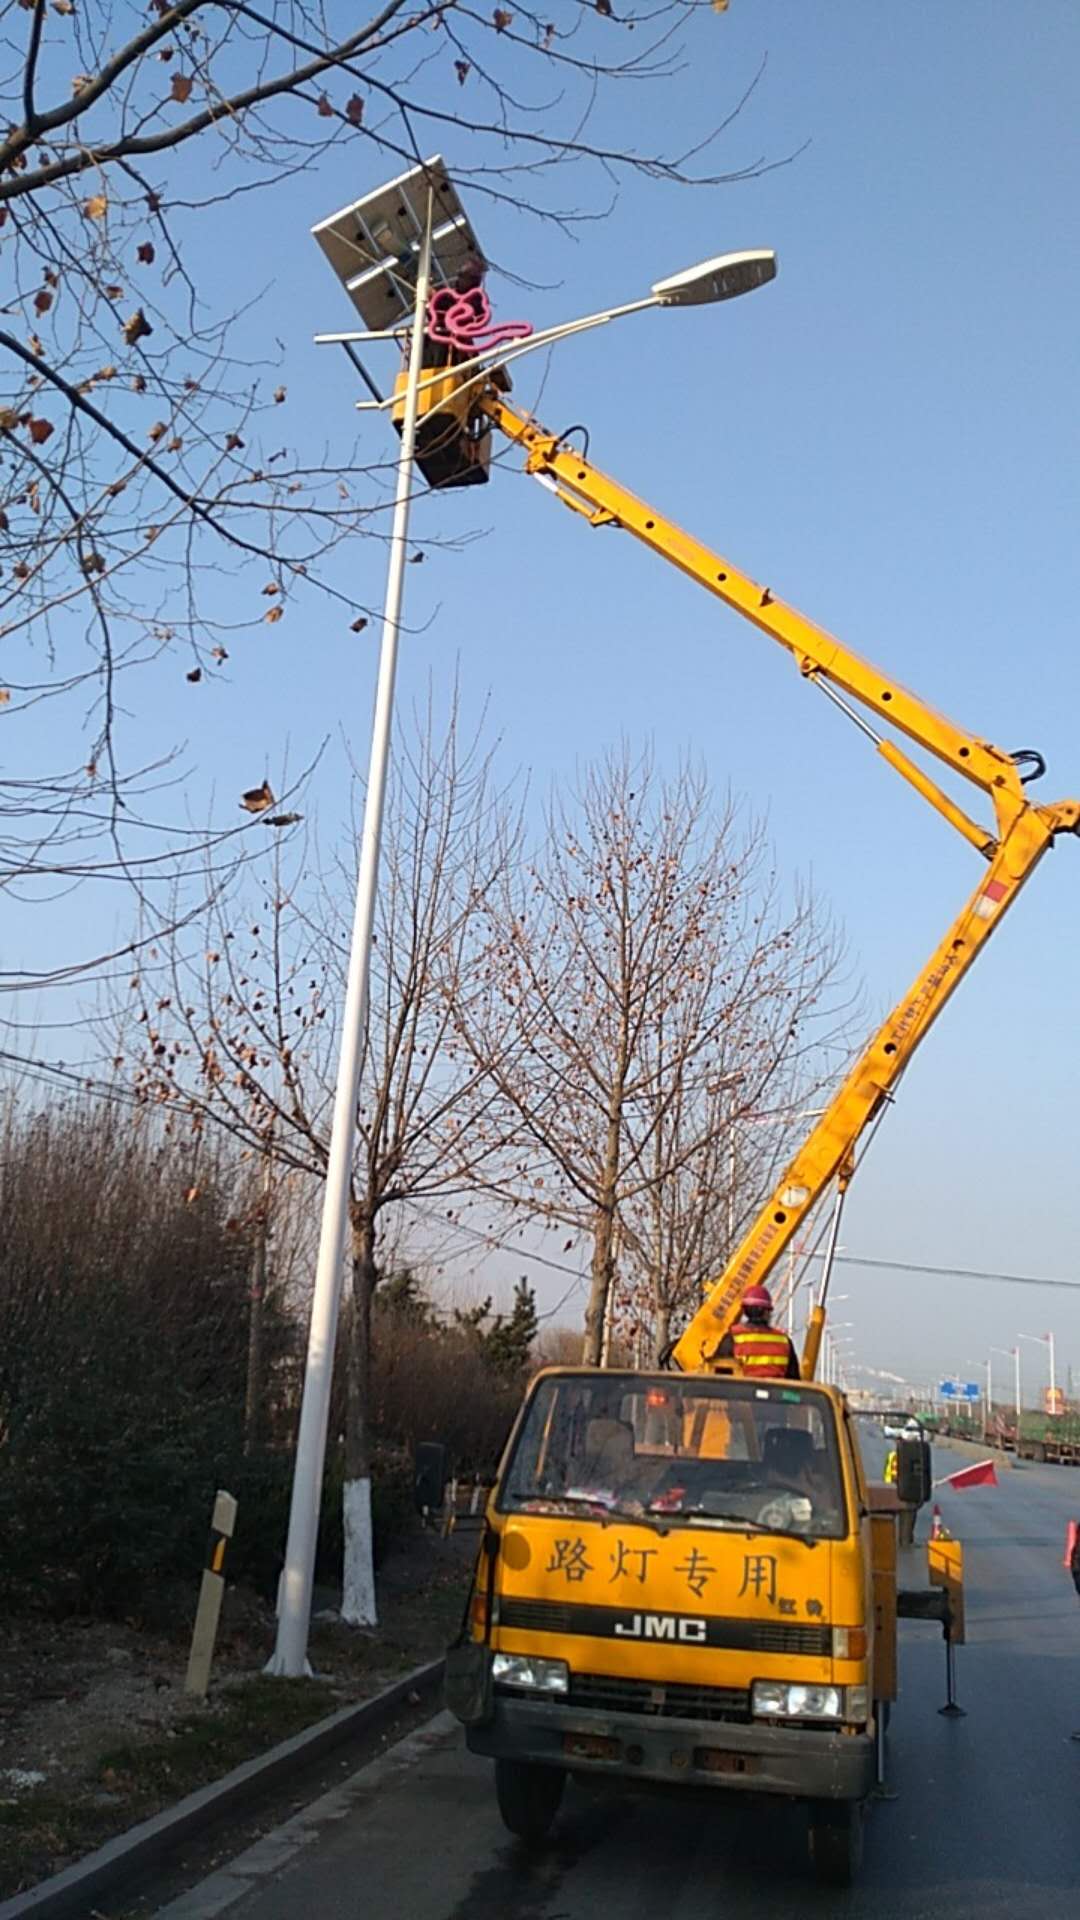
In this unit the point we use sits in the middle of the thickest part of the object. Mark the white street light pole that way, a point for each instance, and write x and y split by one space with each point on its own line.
1013 1354
289 1658
1045 1340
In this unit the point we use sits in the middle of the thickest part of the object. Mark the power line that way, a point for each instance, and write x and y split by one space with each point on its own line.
954 1273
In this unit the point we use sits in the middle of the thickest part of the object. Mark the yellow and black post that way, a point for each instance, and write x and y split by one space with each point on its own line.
211 1594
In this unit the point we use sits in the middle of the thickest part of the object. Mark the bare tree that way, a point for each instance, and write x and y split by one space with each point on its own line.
244 1036
148 472
646 991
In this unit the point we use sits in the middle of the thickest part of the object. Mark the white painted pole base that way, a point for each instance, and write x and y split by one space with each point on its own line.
358 1606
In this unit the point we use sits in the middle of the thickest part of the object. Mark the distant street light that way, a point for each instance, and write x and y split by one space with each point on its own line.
1045 1340
1013 1354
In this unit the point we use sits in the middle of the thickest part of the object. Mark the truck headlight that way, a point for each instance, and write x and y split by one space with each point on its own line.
787 1700
526 1671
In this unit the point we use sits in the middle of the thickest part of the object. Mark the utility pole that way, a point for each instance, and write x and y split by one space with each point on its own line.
289 1658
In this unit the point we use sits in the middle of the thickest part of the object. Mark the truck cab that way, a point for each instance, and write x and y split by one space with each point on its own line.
677 1586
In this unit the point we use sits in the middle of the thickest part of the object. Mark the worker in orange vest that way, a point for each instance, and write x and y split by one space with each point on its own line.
762 1351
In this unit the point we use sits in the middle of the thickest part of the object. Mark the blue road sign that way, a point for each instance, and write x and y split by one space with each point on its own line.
959 1390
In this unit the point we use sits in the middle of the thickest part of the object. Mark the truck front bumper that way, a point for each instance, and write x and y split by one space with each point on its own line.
806 1763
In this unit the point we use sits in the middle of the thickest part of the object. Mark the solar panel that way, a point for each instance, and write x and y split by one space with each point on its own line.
373 245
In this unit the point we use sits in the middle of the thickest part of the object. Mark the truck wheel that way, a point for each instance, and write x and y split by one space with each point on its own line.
835 1833
528 1796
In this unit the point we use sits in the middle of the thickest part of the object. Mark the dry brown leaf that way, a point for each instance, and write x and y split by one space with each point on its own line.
272 614
232 441
138 385
283 820
271 588
156 431
359 625
112 290
42 301
96 207
145 253
463 70
218 653
501 19
51 277
354 110
279 395
40 431
137 327
194 676
4 696
180 88
325 110
257 799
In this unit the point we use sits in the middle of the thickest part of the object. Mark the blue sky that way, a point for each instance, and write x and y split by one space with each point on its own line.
888 436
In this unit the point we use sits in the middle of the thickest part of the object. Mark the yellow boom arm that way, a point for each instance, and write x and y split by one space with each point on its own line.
1023 833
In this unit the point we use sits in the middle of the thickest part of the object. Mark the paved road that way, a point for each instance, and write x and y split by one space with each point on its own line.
983 1822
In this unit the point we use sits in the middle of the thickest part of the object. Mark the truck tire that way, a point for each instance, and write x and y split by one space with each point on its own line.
835 1835
528 1797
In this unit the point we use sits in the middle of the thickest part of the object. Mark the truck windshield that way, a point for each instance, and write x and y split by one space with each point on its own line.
709 1453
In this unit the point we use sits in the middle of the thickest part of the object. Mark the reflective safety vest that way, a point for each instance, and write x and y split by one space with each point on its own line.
764 1351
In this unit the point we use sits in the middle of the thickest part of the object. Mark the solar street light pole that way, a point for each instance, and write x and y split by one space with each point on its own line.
289 1658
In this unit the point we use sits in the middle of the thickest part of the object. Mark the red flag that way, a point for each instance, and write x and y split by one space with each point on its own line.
982 1474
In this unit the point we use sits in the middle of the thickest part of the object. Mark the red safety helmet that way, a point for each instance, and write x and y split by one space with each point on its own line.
758 1297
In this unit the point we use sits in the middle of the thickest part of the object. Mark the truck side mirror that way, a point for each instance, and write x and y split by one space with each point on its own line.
914 1473
429 1476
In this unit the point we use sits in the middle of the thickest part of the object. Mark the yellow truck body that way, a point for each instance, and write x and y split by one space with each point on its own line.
679 1584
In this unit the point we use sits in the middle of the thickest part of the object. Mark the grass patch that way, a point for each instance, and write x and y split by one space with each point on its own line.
137 1775
241 1723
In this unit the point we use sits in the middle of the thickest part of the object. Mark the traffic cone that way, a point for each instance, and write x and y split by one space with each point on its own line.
937 1531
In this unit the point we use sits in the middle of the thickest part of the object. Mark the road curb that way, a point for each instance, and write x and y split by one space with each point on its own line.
71 1895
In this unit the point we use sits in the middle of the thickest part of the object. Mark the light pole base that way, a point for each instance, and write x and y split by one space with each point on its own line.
278 1667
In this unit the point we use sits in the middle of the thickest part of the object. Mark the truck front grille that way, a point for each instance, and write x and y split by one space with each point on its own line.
607 1693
